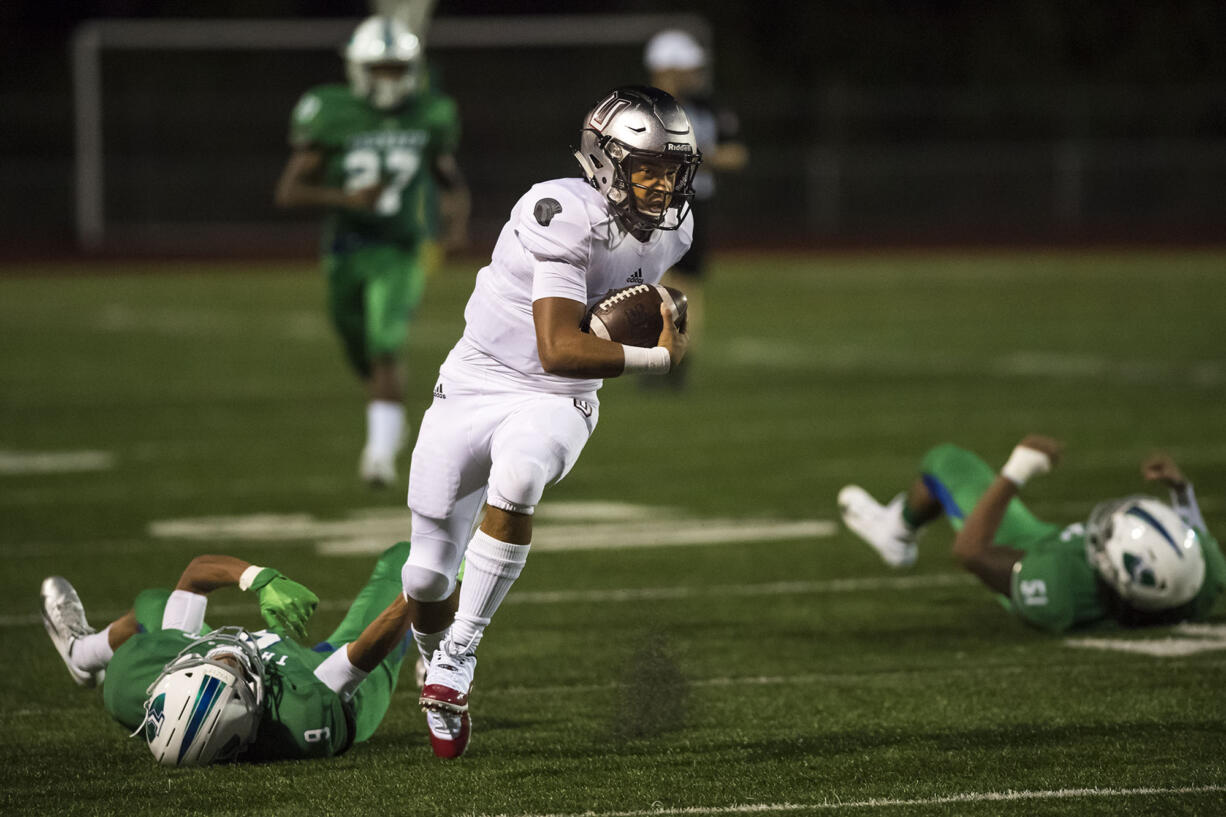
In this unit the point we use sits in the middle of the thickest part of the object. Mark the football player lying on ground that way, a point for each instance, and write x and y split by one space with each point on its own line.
1136 560
201 697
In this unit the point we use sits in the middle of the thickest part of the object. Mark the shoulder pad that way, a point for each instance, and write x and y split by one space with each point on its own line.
554 224
315 112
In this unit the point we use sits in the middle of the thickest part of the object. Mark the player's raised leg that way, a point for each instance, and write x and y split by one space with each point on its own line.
891 529
86 652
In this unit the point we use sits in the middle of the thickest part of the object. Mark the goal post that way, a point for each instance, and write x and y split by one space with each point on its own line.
96 37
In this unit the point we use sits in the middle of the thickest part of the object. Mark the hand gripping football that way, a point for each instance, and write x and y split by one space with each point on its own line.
632 315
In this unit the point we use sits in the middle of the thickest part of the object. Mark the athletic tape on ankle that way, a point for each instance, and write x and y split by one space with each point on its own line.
1025 463
655 360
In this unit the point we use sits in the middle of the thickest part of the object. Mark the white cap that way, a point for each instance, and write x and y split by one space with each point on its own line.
674 49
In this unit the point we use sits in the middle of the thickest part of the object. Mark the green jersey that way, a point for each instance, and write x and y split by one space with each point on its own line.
364 146
303 718
1055 588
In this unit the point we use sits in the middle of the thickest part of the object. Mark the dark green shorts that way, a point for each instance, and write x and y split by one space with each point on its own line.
372 294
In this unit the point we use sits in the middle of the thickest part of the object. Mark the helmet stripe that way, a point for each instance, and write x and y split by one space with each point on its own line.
1148 518
206 696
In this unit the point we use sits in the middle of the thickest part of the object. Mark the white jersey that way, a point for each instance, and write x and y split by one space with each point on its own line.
562 241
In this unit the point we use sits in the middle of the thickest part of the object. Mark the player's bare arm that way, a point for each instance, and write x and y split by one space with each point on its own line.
208 572
974 546
382 635
285 604
1161 467
300 186
565 349
455 202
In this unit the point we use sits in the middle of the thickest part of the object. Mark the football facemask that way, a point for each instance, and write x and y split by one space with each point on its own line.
205 706
383 41
1144 551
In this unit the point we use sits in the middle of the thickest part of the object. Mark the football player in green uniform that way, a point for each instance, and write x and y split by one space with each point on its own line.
200 696
378 155
1135 561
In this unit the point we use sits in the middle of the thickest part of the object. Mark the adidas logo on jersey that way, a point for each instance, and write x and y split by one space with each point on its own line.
438 391
635 277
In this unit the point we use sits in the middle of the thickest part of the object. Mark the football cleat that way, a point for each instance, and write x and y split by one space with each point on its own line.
449 732
448 681
879 525
64 618
378 471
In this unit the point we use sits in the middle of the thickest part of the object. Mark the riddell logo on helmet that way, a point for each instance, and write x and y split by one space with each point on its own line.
678 147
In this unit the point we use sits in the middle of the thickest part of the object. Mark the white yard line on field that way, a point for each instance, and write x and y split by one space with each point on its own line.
774 354
1185 639
21 463
563 526
888 802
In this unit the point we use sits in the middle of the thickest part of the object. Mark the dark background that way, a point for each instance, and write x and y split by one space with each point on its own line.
894 120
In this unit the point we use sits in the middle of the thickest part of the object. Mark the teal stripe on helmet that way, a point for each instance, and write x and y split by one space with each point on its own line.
206 697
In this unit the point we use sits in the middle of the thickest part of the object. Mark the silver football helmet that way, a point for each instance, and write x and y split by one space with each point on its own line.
1144 551
634 125
205 706
381 41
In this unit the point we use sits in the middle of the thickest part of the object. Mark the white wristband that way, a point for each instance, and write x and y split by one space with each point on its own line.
655 360
245 580
1025 463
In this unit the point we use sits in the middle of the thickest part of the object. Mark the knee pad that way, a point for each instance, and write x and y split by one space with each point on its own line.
424 584
517 485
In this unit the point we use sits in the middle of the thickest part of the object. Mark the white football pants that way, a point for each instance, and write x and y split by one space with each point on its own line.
477 448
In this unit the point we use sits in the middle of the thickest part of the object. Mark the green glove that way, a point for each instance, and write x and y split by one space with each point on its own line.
285 604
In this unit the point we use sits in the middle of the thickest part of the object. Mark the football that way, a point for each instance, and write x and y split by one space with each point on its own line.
632 315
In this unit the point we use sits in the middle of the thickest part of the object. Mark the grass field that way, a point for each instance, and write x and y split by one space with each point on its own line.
792 675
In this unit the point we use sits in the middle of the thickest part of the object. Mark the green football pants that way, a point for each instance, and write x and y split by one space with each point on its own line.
958 478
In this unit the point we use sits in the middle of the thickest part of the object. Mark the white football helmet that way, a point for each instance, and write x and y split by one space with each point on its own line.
1145 552
674 50
383 41
205 707
633 124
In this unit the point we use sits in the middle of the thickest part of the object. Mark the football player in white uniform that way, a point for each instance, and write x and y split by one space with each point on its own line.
516 400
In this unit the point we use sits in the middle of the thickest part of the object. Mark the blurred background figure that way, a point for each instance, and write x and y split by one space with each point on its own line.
678 65
415 14
370 153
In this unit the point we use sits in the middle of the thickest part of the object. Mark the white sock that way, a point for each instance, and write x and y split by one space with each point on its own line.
339 674
384 427
492 567
427 643
92 652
